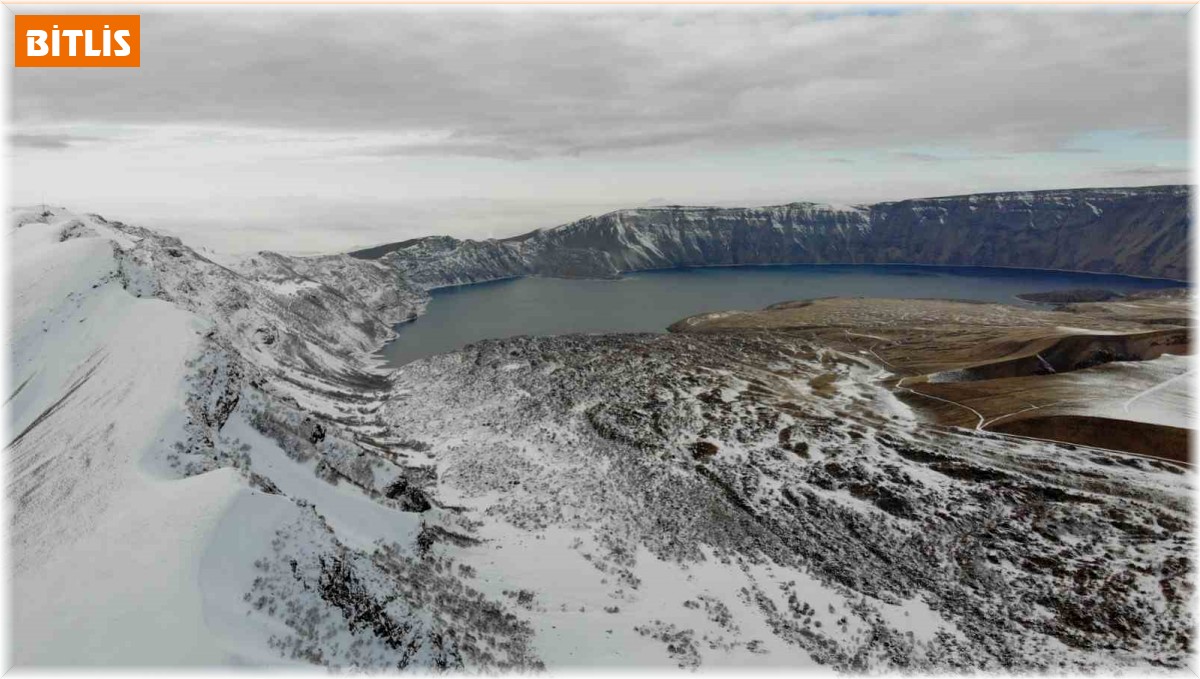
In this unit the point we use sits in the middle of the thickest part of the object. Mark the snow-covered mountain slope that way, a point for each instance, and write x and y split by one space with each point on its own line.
745 495
207 467
105 550
1139 231
129 355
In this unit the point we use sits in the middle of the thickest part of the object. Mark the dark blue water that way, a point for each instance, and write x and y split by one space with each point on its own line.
650 301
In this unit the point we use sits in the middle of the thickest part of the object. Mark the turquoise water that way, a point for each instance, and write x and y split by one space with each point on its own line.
652 300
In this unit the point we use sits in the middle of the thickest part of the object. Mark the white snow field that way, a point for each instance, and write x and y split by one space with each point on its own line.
106 551
208 468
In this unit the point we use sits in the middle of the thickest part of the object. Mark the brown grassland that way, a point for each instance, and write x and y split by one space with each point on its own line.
1078 374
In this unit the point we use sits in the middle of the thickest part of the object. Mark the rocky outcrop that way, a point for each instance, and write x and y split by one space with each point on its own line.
316 314
1135 231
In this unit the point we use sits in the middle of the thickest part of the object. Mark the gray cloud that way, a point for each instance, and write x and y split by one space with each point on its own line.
451 147
1146 172
933 158
920 157
516 83
45 141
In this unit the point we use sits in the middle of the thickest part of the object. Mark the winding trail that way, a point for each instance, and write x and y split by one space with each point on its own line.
1151 390
978 425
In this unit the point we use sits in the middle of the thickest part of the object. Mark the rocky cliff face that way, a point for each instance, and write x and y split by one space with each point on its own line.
1135 231
293 313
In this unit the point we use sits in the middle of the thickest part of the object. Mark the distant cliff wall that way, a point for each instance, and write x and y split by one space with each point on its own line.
1135 231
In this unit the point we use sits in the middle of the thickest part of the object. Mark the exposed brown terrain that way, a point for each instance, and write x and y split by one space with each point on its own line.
1090 373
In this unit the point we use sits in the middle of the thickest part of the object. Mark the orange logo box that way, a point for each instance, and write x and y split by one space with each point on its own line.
99 40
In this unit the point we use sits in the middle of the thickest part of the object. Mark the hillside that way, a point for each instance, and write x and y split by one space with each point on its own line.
1135 231
1113 376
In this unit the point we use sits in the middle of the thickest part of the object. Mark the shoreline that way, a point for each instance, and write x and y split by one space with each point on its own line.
1178 282
380 362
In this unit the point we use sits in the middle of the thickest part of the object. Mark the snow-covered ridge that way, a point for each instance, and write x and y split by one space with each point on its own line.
1064 195
138 368
1136 231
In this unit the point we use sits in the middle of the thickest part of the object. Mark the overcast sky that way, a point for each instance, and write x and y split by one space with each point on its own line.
326 128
